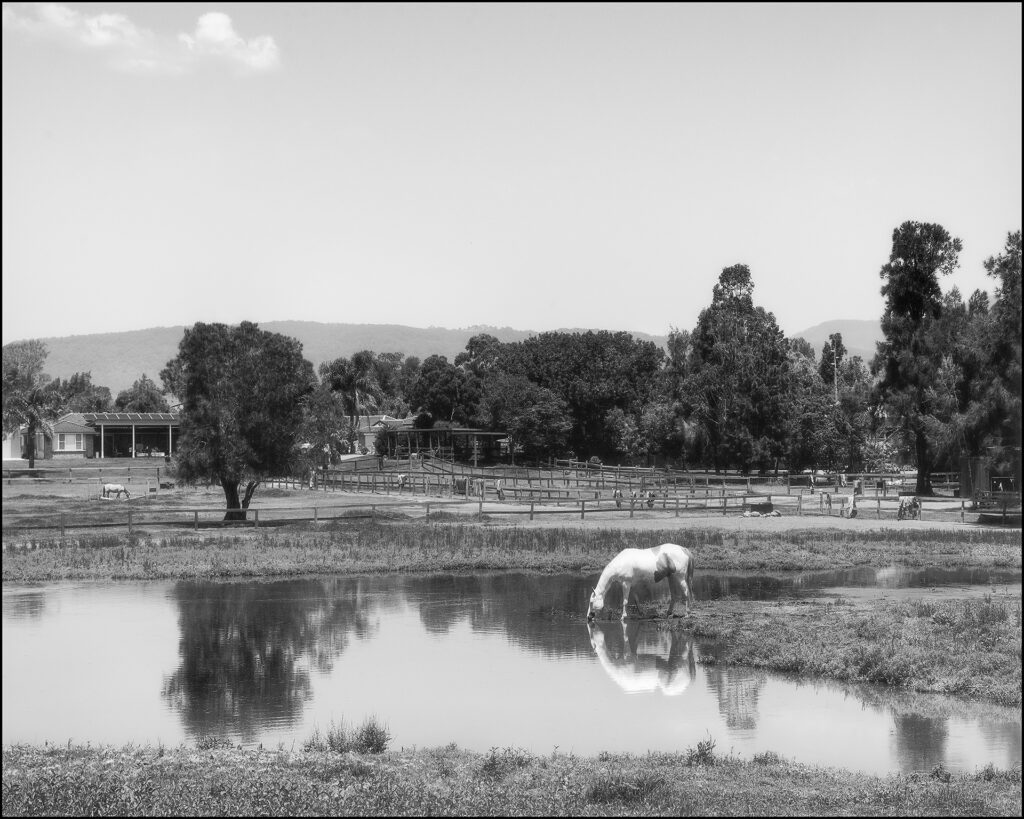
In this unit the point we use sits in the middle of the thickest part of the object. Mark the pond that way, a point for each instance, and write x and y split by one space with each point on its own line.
493 660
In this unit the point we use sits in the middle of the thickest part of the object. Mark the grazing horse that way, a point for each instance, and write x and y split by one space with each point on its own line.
650 659
617 495
645 568
117 489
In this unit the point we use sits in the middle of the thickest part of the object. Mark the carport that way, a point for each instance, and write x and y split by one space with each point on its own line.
134 434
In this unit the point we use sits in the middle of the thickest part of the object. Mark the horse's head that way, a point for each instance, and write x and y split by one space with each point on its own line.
596 604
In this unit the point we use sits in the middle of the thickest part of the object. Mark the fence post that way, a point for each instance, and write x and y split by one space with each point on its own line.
62 523
196 522
878 507
428 511
129 521
315 516
531 509
583 509
256 518
961 510
677 506
800 503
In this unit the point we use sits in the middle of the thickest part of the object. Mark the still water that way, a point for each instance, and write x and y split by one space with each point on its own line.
484 661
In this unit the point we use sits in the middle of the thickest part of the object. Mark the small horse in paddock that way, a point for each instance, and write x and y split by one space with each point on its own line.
116 489
617 495
643 569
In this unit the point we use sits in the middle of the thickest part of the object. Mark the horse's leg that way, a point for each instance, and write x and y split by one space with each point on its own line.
625 598
687 593
676 588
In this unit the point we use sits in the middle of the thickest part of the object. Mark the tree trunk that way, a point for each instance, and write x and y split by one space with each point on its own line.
30 445
924 464
235 510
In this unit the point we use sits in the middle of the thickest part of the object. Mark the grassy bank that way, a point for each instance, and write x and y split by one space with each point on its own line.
409 546
211 780
969 648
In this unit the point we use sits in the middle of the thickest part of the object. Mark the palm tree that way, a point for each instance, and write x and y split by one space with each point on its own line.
27 401
356 380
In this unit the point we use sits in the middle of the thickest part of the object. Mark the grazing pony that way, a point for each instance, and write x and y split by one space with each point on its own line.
617 495
636 568
117 489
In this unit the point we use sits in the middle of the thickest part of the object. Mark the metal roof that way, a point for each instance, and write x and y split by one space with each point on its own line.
131 417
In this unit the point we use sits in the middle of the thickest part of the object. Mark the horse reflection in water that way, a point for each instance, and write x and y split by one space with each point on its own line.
649 659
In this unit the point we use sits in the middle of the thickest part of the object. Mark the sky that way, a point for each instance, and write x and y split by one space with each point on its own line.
534 166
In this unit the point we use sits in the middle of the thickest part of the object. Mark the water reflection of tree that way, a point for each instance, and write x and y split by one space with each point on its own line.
737 689
523 606
24 606
920 741
247 650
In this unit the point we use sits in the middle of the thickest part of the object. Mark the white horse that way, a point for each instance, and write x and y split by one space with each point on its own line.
650 660
116 489
643 569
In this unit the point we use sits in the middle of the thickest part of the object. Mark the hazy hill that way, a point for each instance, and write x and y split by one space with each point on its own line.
116 360
859 337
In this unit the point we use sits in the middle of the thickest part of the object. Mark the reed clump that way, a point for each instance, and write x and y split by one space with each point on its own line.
373 546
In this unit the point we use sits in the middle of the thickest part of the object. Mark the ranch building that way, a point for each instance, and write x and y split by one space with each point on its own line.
103 435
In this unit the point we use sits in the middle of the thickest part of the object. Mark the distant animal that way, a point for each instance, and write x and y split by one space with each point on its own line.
116 489
637 569
650 498
459 485
499 489
909 508
401 481
633 498
828 501
751 514
617 495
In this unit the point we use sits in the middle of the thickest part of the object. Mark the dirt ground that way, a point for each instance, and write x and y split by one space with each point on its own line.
34 497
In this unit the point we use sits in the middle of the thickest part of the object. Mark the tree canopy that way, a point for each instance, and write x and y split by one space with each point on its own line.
242 409
27 398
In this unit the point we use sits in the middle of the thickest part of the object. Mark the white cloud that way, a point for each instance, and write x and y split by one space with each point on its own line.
215 36
132 48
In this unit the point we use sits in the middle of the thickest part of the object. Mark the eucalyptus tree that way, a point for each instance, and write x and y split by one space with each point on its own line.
242 393
143 396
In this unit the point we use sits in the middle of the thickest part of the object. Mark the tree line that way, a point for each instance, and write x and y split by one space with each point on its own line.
731 393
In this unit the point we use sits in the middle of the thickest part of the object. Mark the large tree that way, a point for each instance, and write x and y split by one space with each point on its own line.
908 358
445 391
79 394
241 390
27 398
1005 353
143 396
737 380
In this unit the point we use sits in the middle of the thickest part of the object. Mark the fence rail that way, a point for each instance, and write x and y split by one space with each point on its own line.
137 516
